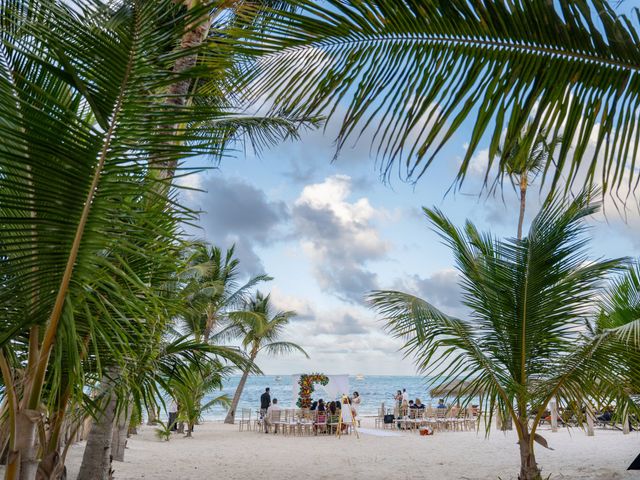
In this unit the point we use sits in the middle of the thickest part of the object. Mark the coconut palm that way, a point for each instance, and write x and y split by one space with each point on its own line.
523 162
259 329
189 385
410 72
77 174
524 343
212 288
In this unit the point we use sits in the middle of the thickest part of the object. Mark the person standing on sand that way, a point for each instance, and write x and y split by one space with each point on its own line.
265 401
355 406
398 398
173 415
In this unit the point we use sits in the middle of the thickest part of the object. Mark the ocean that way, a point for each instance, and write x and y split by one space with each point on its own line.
373 389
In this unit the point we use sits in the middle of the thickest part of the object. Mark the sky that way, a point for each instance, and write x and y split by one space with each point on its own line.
329 232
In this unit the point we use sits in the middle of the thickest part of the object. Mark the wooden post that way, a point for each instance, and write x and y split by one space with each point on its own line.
590 420
553 406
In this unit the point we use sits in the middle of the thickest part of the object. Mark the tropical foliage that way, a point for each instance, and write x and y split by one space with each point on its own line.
188 386
89 223
619 315
411 72
523 163
524 343
260 330
103 103
212 288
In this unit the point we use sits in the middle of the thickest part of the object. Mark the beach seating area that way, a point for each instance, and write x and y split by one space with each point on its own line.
436 419
293 421
297 421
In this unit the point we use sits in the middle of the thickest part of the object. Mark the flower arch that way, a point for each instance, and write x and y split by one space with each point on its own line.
307 383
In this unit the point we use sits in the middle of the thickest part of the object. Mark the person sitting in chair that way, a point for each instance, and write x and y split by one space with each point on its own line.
274 407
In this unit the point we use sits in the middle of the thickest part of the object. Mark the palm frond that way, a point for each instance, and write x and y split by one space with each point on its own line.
411 73
282 348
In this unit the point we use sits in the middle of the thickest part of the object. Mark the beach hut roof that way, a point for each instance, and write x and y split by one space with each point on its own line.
454 387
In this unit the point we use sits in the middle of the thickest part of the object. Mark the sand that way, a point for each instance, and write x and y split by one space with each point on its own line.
222 452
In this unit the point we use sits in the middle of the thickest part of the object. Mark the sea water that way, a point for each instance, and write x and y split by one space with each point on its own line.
373 390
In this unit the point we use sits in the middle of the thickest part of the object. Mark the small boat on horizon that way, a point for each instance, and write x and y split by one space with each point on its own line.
278 378
360 377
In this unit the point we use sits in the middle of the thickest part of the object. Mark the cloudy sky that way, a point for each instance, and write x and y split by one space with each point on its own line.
329 232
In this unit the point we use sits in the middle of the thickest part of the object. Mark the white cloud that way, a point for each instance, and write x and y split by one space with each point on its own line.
339 237
284 302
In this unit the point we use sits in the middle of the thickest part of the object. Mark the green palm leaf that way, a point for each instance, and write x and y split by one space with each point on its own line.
411 72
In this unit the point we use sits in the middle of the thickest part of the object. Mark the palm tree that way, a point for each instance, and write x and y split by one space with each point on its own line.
619 314
523 162
189 385
524 343
620 306
410 72
212 288
77 83
260 330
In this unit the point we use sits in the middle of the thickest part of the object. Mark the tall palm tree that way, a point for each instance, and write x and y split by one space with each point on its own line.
77 82
523 162
212 288
411 72
524 343
260 330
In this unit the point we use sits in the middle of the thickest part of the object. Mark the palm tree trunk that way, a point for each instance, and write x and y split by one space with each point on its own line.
96 461
211 321
153 416
231 415
120 433
523 203
180 90
26 443
528 466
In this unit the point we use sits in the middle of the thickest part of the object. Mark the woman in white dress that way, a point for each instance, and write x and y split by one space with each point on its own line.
355 406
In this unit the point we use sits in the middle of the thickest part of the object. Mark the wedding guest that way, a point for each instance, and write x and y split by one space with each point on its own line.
265 401
398 398
274 407
173 415
355 406
405 395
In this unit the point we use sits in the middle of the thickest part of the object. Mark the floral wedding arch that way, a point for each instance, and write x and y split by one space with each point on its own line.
306 383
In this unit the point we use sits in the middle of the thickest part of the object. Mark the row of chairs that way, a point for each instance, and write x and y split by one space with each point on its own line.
294 421
441 419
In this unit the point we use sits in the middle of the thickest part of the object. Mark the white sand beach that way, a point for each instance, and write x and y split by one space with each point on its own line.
221 451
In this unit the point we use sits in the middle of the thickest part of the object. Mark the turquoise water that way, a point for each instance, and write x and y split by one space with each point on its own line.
373 389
